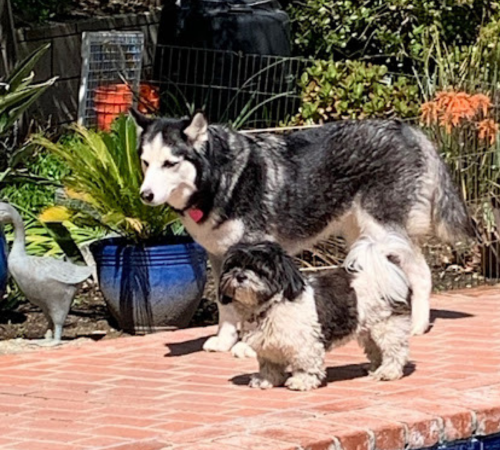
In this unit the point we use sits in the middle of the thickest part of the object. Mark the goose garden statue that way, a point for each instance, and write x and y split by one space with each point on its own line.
48 283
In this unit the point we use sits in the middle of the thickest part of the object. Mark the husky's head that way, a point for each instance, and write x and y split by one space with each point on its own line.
168 150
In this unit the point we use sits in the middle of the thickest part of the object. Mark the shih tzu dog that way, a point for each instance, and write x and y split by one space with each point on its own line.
295 317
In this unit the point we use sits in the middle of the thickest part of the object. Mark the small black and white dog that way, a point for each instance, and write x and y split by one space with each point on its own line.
295 318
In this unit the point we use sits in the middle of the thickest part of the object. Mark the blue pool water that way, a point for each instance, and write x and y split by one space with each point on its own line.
478 443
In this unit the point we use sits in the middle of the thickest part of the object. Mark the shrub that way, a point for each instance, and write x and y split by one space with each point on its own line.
384 31
39 11
351 89
35 196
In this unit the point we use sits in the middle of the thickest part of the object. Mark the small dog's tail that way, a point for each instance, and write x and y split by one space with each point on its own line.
377 263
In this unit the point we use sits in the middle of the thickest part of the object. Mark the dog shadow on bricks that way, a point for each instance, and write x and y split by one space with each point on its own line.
185 347
445 314
333 374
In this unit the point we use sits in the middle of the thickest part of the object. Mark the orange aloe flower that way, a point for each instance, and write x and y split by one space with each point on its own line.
488 130
481 103
460 107
450 108
429 113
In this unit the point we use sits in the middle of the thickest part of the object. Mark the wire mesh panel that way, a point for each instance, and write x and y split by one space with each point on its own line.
111 72
253 90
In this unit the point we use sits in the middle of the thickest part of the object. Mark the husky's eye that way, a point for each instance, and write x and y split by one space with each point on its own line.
167 164
146 164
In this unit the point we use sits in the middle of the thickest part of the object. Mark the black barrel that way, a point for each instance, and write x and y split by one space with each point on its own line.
221 55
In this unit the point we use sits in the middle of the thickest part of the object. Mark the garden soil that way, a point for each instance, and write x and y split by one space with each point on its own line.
89 319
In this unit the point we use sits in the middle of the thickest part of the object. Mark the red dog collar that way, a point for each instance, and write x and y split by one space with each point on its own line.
195 214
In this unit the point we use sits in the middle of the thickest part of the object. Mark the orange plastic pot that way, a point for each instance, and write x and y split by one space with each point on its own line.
149 99
109 102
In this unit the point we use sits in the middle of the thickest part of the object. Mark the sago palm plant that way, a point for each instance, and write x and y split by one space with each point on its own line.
103 185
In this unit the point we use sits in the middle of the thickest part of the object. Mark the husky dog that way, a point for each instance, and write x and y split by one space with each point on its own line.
344 178
297 318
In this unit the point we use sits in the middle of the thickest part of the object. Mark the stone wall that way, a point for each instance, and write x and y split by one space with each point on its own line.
60 103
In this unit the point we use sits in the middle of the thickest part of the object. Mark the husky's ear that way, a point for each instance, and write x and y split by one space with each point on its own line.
196 131
142 121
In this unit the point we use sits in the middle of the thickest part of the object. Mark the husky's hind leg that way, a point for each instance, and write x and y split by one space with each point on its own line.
413 264
420 278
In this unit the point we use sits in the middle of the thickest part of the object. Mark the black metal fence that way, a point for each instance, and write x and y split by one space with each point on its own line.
245 90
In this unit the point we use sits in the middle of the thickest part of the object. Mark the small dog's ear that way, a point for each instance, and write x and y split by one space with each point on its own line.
225 299
291 279
142 121
196 132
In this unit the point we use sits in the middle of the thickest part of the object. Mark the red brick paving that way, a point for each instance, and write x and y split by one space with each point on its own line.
162 392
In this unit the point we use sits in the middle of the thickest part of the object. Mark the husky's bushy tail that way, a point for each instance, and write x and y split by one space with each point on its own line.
378 262
450 219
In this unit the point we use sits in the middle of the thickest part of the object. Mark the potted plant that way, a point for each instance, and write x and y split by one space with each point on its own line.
152 276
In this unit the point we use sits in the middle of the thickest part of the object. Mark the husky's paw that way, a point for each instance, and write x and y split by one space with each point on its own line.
387 373
218 344
259 383
419 328
303 382
243 350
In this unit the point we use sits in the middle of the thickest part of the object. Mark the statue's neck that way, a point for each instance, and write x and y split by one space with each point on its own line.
19 245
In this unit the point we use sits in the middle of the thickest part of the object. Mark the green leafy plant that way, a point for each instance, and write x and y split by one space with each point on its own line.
102 188
384 31
39 11
353 89
17 94
17 91
45 173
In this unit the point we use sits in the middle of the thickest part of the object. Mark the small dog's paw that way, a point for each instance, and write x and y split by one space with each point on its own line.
243 350
303 382
387 373
216 344
373 366
260 383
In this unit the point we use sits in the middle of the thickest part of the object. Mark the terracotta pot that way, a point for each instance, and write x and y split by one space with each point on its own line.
149 99
111 101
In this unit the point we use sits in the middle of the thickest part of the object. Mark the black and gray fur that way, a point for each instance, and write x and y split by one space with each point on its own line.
345 178
297 318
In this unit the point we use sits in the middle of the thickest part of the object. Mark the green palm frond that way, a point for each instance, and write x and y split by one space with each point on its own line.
103 186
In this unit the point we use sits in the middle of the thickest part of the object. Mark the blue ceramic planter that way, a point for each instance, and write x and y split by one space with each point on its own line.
4 273
151 287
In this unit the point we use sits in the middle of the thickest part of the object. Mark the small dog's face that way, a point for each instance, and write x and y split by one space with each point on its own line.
168 149
244 286
252 274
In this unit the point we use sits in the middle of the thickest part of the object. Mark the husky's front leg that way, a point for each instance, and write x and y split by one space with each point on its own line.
227 335
242 349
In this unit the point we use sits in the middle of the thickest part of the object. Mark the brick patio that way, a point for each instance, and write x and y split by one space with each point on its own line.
161 391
